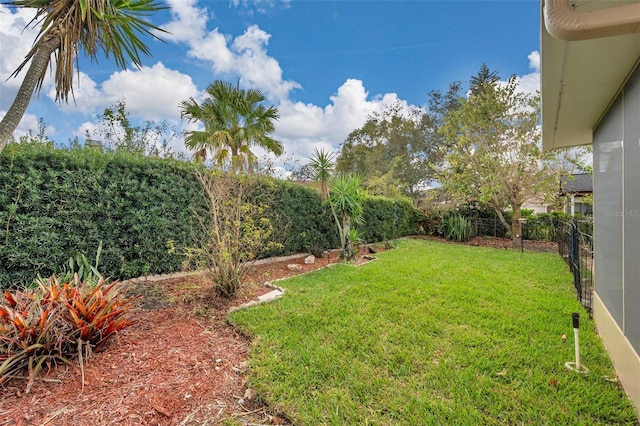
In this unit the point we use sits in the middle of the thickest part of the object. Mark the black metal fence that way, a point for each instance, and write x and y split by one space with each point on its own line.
575 245
539 236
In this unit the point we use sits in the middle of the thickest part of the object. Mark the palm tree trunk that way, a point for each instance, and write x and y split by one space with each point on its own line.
236 164
347 249
38 66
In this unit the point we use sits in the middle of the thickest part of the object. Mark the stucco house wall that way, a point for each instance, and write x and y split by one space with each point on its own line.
591 95
616 143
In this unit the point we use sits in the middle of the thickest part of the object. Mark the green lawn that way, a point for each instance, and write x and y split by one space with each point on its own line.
432 333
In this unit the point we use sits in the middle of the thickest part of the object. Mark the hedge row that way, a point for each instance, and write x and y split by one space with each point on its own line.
386 219
55 204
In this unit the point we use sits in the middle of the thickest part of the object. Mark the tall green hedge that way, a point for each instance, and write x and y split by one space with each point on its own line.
301 221
386 219
55 204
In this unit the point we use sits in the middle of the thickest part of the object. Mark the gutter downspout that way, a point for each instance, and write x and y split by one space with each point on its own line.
564 23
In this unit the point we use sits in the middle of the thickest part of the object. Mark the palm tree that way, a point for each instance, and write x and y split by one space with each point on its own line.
234 120
345 199
322 165
107 26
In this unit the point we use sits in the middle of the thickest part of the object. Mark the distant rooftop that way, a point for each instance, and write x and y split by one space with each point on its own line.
577 183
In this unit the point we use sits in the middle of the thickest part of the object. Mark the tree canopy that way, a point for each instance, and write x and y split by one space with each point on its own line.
495 156
234 121
394 144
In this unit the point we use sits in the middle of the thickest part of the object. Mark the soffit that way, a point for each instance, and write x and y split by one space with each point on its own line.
580 79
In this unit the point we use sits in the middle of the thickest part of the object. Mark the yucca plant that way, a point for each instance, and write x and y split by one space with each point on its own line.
80 265
356 238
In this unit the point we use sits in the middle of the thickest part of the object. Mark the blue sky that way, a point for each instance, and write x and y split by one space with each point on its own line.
326 65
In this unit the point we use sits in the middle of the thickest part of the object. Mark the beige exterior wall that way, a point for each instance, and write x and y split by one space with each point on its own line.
625 359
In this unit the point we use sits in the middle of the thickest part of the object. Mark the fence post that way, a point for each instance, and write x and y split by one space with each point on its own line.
575 253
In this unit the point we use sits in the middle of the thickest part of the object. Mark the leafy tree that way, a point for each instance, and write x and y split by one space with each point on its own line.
117 133
345 199
304 172
234 120
483 80
399 146
322 165
107 26
495 155
439 105
395 133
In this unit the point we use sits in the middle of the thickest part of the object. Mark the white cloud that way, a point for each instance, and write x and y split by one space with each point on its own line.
213 49
260 6
86 95
30 124
152 93
188 21
530 83
256 68
303 127
244 57
534 61
86 127
16 41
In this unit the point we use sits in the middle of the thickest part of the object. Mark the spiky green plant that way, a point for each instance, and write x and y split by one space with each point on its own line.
458 228
345 199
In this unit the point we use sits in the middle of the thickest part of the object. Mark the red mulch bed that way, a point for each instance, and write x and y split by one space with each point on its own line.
179 364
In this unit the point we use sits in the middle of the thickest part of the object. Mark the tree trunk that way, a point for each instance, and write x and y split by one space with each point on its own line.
236 164
37 68
324 191
347 248
507 226
516 226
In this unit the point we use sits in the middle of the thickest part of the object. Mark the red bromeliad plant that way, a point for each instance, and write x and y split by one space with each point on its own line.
31 333
94 313
55 322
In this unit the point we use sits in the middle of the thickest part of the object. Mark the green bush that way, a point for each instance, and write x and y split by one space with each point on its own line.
300 219
457 228
55 204
386 219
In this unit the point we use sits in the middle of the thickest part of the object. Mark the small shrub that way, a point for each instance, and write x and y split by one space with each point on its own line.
233 232
458 228
81 266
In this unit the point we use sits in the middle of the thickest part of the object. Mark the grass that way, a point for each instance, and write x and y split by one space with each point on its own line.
432 333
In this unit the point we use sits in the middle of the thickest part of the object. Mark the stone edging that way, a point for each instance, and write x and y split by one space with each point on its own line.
278 291
161 277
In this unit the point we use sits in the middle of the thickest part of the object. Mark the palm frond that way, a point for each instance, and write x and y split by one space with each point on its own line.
112 27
